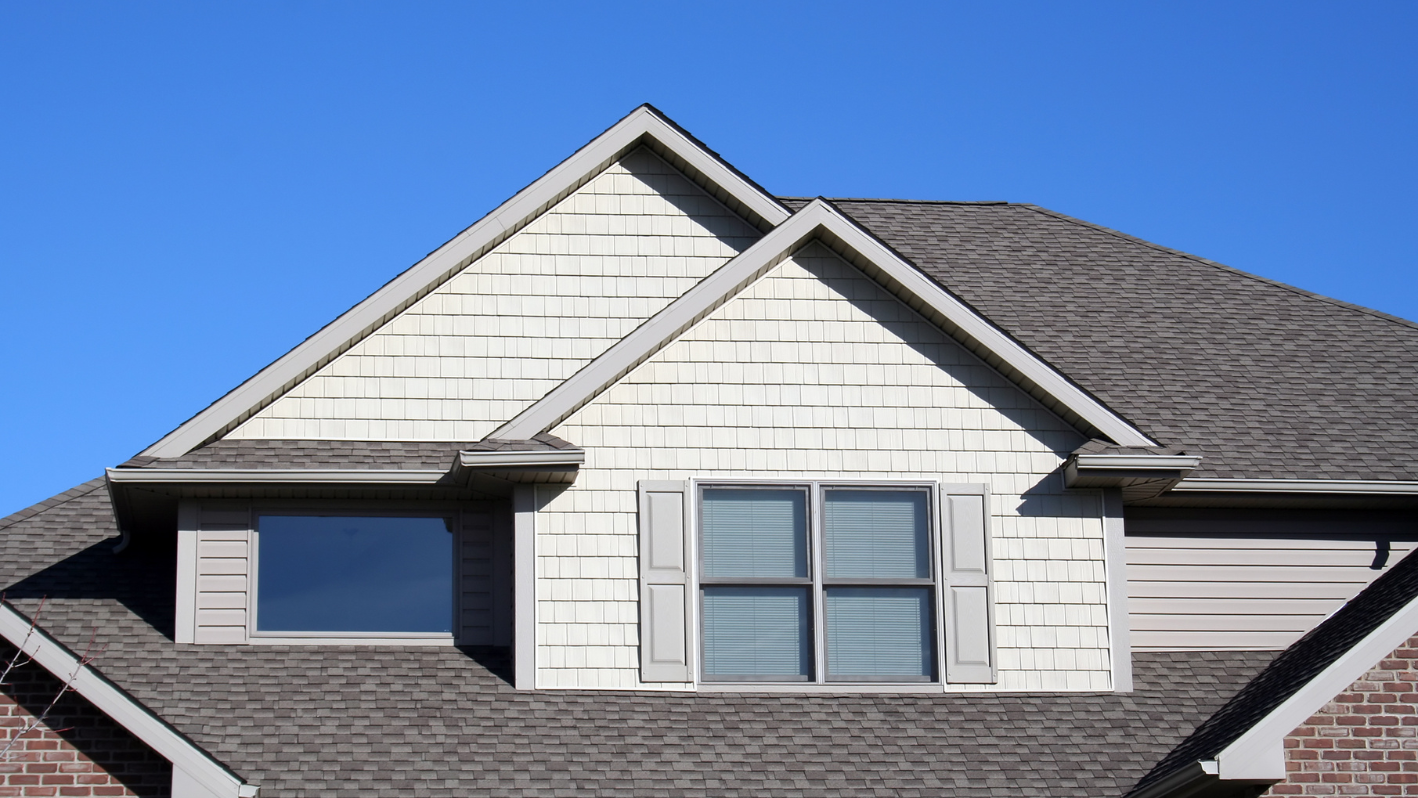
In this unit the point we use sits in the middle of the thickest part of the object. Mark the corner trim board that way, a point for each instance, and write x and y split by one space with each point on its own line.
1115 565
197 765
524 555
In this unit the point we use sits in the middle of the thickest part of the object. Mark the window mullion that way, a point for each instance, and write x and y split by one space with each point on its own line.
819 600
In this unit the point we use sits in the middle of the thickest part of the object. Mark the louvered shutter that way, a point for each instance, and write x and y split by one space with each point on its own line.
969 617
664 581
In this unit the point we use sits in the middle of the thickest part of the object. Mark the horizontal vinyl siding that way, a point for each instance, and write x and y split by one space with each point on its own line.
223 573
1199 592
484 573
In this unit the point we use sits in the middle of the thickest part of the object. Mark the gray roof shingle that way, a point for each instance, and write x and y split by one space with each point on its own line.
1262 379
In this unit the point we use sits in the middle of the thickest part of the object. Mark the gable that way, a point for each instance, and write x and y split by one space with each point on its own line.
512 325
815 371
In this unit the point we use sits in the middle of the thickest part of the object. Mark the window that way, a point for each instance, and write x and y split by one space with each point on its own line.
354 575
817 583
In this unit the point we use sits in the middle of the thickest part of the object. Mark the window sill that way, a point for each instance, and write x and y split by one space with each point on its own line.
829 687
350 640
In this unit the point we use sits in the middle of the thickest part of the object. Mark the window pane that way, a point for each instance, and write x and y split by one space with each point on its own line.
755 533
756 631
347 574
877 534
879 633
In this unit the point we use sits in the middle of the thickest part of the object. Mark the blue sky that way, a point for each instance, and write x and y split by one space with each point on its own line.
188 190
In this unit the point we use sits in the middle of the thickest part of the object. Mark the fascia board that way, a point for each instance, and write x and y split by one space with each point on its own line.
445 261
1349 486
814 218
1259 754
54 657
476 459
993 339
172 476
1138 462
1186 781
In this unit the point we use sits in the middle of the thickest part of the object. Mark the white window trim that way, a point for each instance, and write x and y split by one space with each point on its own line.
255 637
815 485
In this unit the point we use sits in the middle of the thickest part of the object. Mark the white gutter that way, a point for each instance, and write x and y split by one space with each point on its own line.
1138 462
191 765
561 457
1350 486
274 476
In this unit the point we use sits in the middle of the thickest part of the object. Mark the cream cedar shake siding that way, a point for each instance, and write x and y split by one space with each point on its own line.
815 371
517 322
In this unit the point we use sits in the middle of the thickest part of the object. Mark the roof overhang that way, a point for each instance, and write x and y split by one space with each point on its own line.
1288 493
1139 476
645 126
819 221
473 473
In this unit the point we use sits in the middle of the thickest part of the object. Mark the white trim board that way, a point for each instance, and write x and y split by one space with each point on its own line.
170 476
1259 754
195 764
1350 486
818 219
643 125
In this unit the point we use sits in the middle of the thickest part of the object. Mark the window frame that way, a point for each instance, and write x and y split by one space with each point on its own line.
818 582
453 515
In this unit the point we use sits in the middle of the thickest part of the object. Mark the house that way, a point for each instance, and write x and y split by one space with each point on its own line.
651 482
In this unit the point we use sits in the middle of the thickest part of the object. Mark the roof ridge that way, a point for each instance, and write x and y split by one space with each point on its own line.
905 201
1379 314
52 502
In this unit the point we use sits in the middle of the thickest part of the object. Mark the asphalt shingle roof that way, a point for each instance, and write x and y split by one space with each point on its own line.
1262 379
384 721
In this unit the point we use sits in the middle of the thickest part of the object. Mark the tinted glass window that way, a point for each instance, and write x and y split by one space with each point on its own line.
354 574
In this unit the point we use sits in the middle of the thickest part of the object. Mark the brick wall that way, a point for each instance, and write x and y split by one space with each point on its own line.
78 751
1365 741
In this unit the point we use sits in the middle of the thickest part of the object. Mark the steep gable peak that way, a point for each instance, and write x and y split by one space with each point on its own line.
644 127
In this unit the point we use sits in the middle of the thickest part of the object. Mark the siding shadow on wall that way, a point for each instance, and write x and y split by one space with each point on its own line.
688 198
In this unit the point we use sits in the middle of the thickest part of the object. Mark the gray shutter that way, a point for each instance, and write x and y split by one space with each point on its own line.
969 614
664 581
